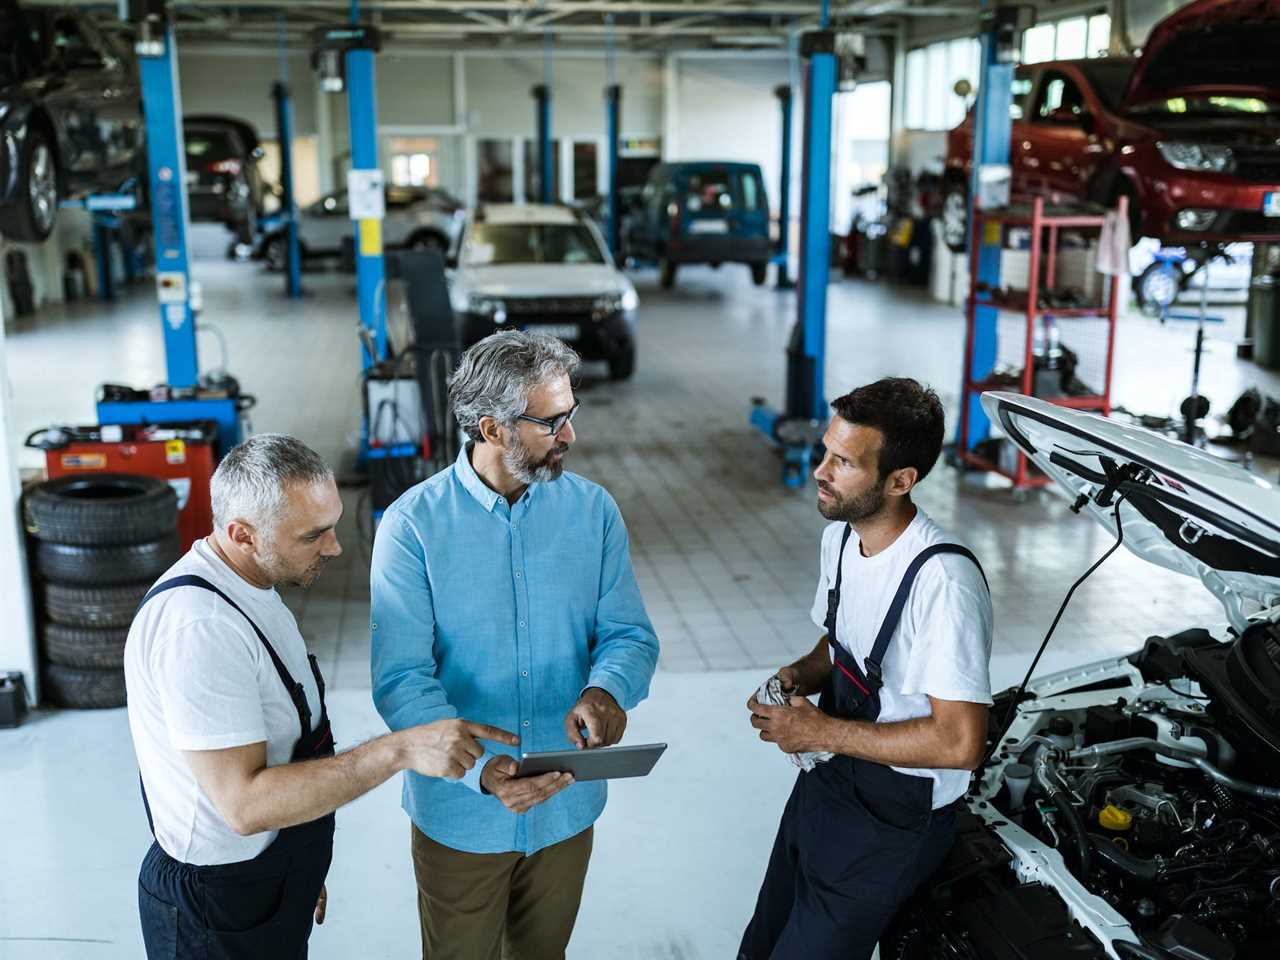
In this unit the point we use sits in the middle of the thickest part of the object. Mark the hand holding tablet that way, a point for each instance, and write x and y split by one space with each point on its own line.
599 763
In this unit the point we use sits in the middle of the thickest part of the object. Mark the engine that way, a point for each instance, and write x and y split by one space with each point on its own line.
1144 807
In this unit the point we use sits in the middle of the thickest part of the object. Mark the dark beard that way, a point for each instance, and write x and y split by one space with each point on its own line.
851 510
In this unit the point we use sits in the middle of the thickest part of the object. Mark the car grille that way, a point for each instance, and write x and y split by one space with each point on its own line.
1258 164
549 307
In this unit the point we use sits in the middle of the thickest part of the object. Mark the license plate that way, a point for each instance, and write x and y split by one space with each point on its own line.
565 331
708 226
1271 204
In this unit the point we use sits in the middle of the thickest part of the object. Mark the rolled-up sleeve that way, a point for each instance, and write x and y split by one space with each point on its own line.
625 649
406 690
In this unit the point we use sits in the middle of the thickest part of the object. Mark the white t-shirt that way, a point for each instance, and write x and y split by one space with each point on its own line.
199 678
942 646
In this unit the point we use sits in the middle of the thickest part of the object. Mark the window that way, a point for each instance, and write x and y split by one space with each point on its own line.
750 192
585 179
931 75
1099 35
72 48
533 171
496 243
495 182
916 82
1021 89
1059 97
1071 39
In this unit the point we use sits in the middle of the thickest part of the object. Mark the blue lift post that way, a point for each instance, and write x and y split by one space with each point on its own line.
992 131
546 160
799 427
362 111
613 120
284 128
166 160
783 256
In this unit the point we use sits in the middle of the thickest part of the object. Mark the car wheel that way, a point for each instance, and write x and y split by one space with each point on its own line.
955 216
423 242
30 216
759 272
623 363
668 274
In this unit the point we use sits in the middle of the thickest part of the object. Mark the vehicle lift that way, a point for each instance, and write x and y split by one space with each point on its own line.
284 134
782 256
797 429
182 398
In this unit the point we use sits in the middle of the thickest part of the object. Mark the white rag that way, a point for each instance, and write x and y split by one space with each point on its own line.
1113 245
770 694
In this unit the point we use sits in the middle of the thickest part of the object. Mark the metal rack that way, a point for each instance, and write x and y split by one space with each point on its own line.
1045 228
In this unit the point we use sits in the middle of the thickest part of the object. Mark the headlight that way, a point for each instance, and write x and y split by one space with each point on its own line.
630 300
488 307
607 305
1197 156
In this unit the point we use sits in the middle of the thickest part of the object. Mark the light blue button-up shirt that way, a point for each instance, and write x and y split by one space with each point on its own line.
503 614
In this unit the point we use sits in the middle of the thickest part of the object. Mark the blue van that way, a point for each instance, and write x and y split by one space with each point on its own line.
702 212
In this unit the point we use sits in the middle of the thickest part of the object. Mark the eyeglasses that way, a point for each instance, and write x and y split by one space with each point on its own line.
557 423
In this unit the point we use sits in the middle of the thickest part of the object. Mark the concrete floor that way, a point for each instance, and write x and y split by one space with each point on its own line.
725 555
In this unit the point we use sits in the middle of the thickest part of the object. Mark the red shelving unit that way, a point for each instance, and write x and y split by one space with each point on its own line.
1045 228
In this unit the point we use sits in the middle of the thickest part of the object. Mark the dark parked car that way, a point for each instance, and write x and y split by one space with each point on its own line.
223 181
705 212
70 116
1189 131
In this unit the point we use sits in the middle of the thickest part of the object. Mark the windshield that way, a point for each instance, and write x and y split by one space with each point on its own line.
498 243
1209 106
1109 79
208 147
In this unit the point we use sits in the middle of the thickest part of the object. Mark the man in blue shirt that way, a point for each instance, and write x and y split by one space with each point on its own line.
502 590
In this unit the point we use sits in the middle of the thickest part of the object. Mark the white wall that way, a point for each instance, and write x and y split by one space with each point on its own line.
238 84
17 639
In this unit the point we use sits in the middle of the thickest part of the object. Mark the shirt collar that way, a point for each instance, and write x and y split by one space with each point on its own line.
471 482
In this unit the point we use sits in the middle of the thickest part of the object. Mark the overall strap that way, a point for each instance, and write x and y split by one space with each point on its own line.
833 595
894 615
294 688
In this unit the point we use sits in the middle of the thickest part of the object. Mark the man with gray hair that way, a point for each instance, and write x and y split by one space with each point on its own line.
502 588
225 705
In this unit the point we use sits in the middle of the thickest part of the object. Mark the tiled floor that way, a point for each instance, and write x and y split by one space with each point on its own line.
725 555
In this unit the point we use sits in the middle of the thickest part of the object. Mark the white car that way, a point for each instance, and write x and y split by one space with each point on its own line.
544 267
416 218
1131 809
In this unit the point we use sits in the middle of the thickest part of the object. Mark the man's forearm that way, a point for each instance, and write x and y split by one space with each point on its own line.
812 669
919 743
292 793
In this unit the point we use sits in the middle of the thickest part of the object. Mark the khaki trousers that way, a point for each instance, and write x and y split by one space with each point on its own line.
498 906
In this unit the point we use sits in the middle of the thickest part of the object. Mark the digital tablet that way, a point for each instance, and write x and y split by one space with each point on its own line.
599 763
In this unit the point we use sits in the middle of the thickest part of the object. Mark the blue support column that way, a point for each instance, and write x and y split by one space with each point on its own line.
370 274
807 398
613 119
166 159
546 157
284 132
783 257
992 129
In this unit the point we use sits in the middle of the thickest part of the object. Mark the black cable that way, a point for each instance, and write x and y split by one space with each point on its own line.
1013 707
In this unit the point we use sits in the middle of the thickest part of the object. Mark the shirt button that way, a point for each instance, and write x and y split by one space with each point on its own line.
375 626
522 623
517 574
525 724
524 673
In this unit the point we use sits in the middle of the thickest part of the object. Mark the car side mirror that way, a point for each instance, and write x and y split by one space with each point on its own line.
451 262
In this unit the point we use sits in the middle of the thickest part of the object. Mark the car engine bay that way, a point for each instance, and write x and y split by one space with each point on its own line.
1132 811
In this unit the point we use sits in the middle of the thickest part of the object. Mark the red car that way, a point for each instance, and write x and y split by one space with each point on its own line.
1189 131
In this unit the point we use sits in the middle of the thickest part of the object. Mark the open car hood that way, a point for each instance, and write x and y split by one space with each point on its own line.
1179 507
1210 47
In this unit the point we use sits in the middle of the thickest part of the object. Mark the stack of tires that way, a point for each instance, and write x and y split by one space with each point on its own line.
101 540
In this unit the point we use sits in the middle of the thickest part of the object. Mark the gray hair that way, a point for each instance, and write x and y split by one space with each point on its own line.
251 483
496 376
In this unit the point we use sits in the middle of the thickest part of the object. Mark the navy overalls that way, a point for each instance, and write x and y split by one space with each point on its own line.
856 837
261 908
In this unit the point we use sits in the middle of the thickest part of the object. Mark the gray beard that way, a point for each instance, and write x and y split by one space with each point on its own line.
521 465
